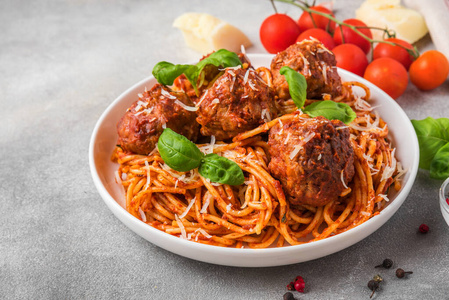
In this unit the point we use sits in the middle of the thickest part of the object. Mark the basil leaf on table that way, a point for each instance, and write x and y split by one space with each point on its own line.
297 85
439 167
178 152
331 110
220 169
432 135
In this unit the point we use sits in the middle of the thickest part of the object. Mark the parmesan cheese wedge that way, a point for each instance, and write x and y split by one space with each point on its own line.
205 33
408 24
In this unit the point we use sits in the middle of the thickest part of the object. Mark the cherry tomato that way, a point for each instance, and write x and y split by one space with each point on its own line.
310 20
429 70
318 34
277 32
351 58
389 75
351 37
396 52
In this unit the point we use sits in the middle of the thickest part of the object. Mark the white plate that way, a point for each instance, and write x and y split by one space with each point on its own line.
104 139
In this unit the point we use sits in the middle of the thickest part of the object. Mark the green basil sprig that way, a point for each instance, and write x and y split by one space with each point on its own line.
220 169
331 110
297 87
180 154
433 139
166 72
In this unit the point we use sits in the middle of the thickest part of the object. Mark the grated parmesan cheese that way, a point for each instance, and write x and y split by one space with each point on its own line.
282 127
265 115
342 179
167 94
205 206
188 208
383 196
186 107
142 215
295 152
245 78
389 170
308 137
181 226
148 175
287 138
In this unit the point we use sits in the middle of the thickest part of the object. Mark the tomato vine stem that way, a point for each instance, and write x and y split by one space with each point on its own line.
390 33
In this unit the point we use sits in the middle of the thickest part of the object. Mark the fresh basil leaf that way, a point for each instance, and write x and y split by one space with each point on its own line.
166 72
178 152
221 59
432 135
439 167
331 110
220 169
297 85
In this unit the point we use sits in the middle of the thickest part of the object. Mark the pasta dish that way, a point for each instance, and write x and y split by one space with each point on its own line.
306 177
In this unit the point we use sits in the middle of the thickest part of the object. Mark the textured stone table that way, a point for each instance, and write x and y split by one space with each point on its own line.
61 64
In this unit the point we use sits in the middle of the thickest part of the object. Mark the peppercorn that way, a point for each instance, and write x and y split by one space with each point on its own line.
400 273
373 285
300 285
289 296
387 263
423 228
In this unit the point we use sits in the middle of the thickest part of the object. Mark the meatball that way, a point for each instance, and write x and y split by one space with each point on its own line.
311 157
139 129
315 62
238 101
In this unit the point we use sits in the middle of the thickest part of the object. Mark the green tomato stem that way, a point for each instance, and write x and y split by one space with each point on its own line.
303 6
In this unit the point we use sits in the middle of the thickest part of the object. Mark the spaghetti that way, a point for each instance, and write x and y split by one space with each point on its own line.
257 214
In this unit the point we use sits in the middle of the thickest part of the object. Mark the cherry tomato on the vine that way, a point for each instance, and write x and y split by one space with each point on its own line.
351 37
318 34
389 75
351 58
429 70
277 32
396 52
310 20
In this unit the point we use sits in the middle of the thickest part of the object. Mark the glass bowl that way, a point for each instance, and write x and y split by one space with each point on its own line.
444 196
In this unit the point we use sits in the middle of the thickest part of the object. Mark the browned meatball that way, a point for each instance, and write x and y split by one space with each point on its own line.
315 62
238 101
139 129
311 157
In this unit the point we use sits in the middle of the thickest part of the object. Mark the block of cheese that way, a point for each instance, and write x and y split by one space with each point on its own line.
408 24
205 33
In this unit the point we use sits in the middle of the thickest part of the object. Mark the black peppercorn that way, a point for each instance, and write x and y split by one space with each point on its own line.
387 263
289 296
373 285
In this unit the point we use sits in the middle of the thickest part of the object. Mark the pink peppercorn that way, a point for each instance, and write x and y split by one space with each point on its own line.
423 228
299 284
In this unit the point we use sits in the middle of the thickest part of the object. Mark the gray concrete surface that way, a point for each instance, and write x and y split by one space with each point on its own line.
61 64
